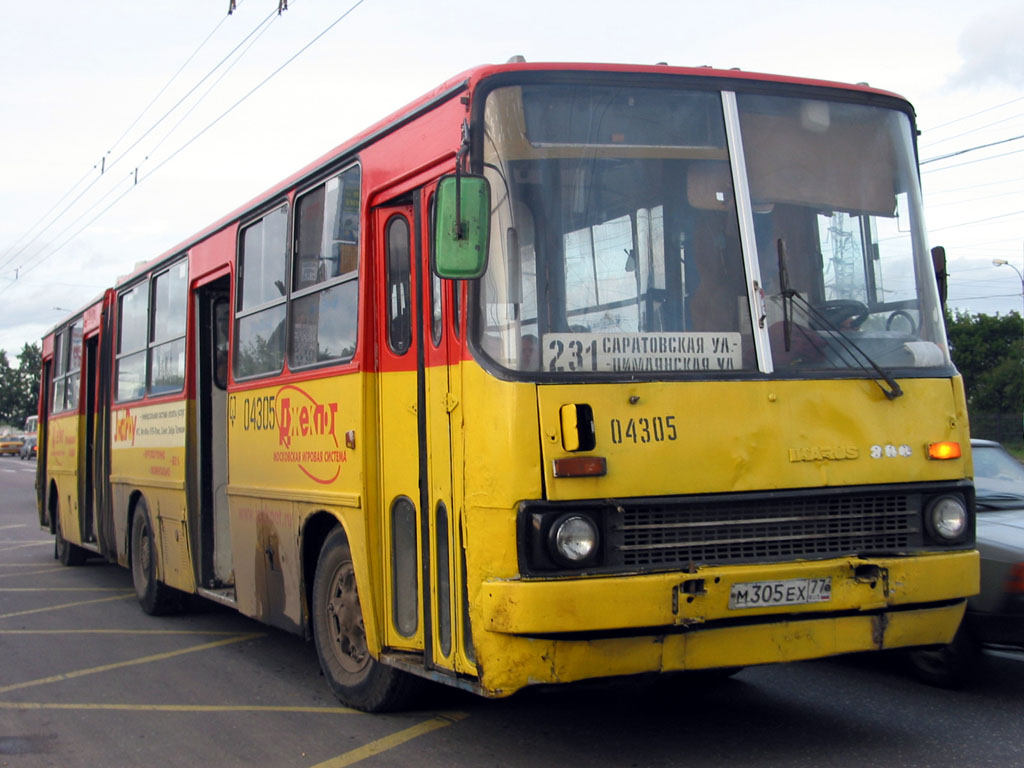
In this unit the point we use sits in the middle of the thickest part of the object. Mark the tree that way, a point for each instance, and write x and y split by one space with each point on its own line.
30 362
19 387
988 350
8 389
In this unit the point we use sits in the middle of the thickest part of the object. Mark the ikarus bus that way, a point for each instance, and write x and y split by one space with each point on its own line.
564 371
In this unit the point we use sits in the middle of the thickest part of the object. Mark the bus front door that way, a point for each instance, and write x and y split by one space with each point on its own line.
415 403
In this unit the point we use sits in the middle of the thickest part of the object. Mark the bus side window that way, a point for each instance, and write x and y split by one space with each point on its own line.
220 343
168 305
260 314
399 311
436 291
132 324
325 273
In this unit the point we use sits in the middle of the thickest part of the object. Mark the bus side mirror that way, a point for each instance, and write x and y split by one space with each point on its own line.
462 227
939 263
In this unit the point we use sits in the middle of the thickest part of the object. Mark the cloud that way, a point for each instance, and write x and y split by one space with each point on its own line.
991 50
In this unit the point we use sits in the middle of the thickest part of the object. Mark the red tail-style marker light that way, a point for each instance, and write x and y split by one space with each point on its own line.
1015 581
581 466
947 449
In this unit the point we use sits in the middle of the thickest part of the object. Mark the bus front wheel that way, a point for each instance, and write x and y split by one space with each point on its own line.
949 666
155 597
355 677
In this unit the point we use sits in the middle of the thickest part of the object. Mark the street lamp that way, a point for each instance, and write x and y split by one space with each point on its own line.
1001 262
1004 262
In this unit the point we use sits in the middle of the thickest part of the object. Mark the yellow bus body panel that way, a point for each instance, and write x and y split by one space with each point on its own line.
289 460
659 600
540 610
62 455
729 437
147 456
755 435
531 661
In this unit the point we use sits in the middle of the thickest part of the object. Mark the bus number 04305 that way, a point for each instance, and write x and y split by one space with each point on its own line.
657 429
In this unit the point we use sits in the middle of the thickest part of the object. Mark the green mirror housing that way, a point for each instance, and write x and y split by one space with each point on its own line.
462 228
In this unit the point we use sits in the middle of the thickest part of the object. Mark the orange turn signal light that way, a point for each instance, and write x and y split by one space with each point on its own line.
581 466
947 449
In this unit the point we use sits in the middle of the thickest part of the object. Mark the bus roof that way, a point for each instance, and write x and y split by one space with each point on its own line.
465 81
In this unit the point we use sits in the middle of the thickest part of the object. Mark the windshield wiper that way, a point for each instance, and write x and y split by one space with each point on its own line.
857 356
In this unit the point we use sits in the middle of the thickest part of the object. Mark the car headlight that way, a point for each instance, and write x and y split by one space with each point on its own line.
573 539
946 518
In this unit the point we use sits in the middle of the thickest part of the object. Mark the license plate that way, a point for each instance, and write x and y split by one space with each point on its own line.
762 594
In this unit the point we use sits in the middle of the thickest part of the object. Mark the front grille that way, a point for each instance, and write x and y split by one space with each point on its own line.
760 529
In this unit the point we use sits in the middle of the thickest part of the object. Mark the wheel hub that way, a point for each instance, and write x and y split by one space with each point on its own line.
345 621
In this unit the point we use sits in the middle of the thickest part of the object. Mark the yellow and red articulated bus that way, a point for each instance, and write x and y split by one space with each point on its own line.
561 372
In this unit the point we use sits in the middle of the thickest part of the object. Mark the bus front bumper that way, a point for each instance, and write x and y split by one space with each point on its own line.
573 629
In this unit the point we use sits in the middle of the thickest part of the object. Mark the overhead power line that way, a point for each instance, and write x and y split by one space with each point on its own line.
971 149
257 29
28 268
40 221
976 221
986 296
988 184
964 201
975 114
972 162
973 130
254 39
106 167
101 165
168 83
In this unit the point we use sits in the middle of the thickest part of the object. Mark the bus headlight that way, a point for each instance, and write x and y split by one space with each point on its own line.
573 540
946 518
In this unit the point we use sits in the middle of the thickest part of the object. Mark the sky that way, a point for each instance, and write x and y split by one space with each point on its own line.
120 136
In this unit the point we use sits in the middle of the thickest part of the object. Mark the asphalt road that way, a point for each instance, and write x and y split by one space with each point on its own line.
87 679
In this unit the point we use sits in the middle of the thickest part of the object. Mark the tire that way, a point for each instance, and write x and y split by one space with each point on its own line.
949 666
711 676
672 683
355 677
155 597
63 550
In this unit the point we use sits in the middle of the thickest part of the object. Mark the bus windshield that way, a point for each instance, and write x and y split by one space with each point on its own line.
625 241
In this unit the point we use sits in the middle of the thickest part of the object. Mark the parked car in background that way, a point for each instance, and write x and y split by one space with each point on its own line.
10 445
995 616
29 448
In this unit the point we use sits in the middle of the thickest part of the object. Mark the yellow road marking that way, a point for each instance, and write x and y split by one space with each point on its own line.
25 565
64 605
67 589
392 741
30 573
128 663
177 707
8 547
201 632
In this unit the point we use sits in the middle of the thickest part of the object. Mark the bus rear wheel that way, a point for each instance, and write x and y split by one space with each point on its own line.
155 597
64 551
355 677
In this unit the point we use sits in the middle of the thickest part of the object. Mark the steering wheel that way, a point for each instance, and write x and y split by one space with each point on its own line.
845 314
906 316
